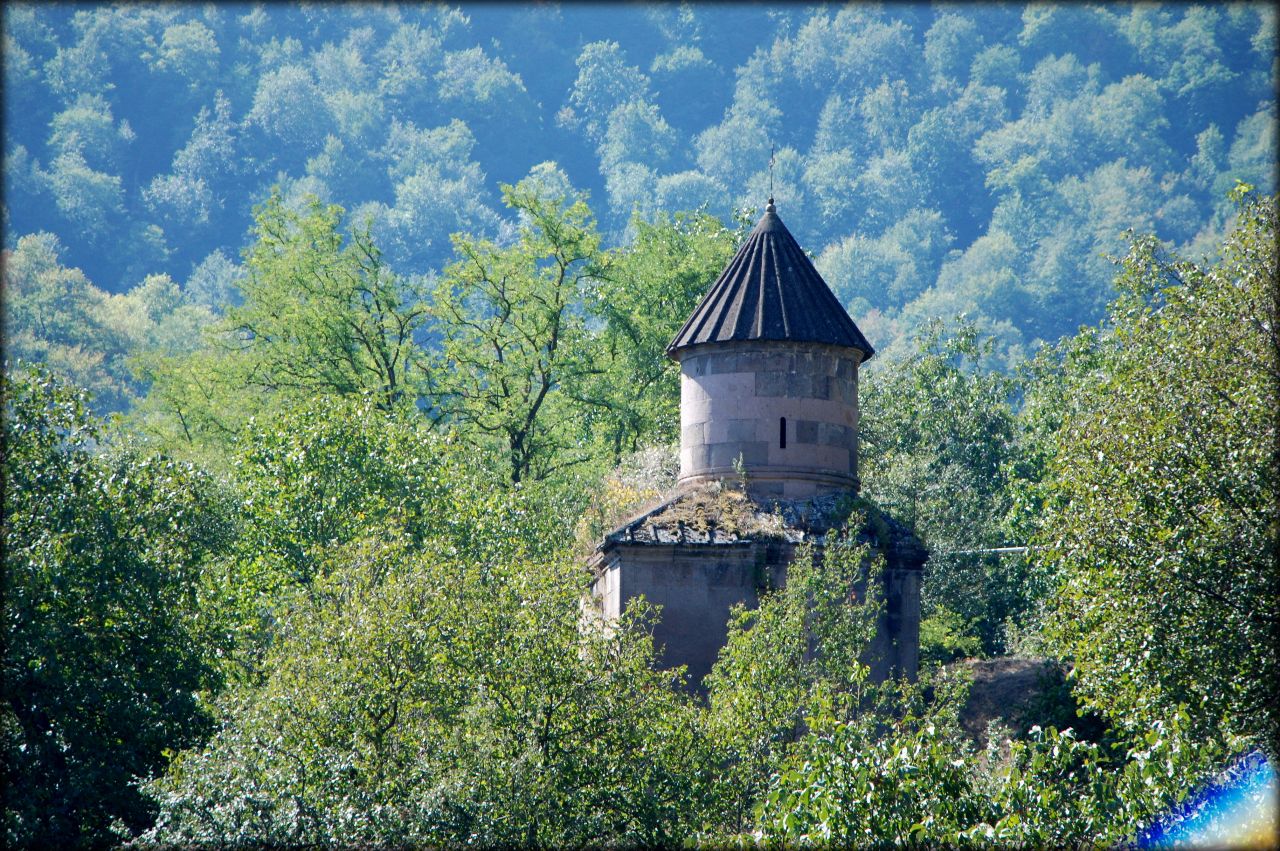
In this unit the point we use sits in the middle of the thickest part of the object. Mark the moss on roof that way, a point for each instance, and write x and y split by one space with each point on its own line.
724 513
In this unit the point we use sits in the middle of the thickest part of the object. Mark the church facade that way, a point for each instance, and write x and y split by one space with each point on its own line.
769 365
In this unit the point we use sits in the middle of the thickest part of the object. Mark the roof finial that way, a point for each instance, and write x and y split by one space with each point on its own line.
772 150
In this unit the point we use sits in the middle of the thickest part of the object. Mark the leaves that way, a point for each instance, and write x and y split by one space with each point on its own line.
1159 517
107 652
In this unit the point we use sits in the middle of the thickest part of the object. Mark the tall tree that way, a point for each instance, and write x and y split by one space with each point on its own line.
322 314
105 654
513 333
1161 518
937 432
647 291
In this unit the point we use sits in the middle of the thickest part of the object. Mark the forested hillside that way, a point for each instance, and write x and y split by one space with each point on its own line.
335 336
936 160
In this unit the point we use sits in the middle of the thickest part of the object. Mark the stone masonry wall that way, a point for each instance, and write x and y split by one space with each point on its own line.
733 397
697 585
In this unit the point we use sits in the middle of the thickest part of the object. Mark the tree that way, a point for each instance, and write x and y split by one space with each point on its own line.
937 430
890 270
106 657
804 646
317 476
643 297
1160 523
512 334
186 195
605 82
322 315
422 697
291 110
92 201
53 316
88 128
439 190
950 46
912 779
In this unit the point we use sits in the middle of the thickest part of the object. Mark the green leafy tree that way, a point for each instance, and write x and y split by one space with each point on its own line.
91 200
420 697
316 476
322 315
513 336
1160 521
106 652
648 289
937 432
802 647
913 779
53 315
950 46
58 318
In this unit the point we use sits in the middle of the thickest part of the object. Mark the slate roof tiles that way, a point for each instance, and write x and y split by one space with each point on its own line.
770 291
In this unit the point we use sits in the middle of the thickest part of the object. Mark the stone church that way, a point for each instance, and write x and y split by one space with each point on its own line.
768 460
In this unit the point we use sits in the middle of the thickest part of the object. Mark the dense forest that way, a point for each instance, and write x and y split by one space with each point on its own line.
334 337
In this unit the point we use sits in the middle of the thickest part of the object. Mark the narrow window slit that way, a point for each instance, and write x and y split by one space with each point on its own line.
782 433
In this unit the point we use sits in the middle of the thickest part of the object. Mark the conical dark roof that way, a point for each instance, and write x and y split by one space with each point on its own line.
770 291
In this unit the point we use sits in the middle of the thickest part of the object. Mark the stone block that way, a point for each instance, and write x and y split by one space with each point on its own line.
742 430
753 453
830 459
833 434
799 385
779 362
691 435
722 362
821 364
761 488
806 431
694 410
772 384
723 454
699 457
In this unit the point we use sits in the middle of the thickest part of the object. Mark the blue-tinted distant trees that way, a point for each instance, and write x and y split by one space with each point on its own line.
655 114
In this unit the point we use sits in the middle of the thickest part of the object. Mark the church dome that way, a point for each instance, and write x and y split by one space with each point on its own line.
770 291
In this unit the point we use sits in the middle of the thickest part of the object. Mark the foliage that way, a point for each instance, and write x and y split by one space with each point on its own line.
803 646
321 316
936 436
142 136
915 780
318 476
1160 521
642 297
56 317
849 782
409 410
512 352
430 698
945 637
106 649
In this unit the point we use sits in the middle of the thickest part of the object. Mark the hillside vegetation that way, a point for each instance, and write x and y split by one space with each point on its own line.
935 160
335 335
